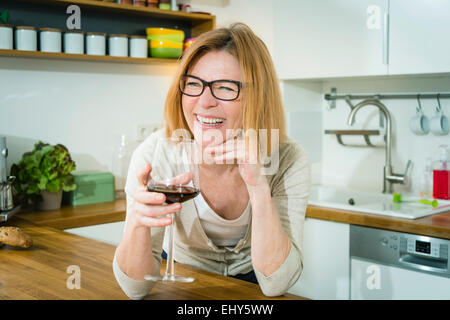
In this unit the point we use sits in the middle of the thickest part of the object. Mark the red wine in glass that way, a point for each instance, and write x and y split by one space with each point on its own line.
174 193
176 175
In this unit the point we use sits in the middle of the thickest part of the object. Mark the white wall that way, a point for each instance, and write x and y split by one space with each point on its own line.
88 105
83 105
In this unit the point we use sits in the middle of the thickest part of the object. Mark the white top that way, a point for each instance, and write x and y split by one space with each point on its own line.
222 232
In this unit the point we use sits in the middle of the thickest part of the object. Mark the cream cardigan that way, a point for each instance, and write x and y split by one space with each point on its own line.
290 187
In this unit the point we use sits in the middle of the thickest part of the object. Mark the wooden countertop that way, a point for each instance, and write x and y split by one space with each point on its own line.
437 225
77 216
40 272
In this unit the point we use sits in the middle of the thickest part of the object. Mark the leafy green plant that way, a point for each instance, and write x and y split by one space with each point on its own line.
46 167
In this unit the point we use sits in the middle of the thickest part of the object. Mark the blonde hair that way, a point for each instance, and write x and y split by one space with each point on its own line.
261 104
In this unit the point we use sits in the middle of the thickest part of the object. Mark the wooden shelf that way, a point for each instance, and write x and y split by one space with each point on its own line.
180 15
81 57
101 16
200 22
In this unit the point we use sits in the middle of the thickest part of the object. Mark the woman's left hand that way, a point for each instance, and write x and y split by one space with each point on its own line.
234 151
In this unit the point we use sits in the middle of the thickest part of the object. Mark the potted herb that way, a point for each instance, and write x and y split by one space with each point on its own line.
43 174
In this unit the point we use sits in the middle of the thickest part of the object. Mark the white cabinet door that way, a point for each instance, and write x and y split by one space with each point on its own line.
419 36
329 38
326 257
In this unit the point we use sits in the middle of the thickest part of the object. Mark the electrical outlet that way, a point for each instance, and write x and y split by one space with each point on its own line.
144 130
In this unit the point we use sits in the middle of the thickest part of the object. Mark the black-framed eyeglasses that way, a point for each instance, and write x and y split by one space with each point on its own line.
226 90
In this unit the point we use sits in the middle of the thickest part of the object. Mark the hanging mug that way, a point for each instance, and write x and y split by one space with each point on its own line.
419 124
439 123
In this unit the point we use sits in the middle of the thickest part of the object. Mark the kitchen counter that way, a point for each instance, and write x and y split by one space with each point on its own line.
437 225
40 272
46 271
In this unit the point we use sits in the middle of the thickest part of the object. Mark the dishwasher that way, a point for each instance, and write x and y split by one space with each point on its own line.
394 265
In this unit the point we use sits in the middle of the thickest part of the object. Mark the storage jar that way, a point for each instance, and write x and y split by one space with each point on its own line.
26 38
6 36
118 45
138 47
50 40
96 43
74 42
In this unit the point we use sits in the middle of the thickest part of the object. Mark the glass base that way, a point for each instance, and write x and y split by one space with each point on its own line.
168 278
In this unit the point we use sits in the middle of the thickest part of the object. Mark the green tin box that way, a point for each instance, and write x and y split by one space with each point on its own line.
92 187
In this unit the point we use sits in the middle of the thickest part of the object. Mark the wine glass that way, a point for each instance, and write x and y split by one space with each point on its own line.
174 173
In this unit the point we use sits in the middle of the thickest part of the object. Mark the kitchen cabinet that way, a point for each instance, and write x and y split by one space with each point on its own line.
328 38
100 16
418 36
326 252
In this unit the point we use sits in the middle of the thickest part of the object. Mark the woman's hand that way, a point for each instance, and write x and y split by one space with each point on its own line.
149 209
234 150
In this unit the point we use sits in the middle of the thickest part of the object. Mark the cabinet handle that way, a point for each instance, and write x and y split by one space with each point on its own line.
386 39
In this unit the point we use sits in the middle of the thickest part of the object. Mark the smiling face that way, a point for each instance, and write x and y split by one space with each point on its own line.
206 115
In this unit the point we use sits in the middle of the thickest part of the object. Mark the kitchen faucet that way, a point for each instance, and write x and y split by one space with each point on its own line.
389 177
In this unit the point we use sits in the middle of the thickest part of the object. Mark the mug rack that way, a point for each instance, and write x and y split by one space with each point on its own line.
333 96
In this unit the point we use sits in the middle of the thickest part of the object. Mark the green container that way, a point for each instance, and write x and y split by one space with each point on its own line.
171 53
92 187
168 37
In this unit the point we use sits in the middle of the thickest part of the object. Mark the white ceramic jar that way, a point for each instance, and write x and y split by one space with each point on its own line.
74 42
6 36
26 38
96 43
118 45
50 40
138 47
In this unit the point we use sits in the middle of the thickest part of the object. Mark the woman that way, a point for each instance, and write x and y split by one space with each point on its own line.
245 223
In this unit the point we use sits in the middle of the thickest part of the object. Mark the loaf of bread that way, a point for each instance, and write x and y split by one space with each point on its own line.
14 236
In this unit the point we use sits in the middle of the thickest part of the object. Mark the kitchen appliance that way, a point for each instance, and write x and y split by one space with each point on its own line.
7 208
394 265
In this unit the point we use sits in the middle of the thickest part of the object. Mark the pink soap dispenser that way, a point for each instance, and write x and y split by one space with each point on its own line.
441 175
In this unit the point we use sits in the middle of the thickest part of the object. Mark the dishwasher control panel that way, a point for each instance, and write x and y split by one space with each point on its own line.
424 247
405 250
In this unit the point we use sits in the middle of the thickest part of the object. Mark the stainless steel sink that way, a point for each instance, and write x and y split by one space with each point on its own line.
372 202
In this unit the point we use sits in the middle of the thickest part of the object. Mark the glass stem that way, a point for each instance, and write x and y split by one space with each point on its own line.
170 271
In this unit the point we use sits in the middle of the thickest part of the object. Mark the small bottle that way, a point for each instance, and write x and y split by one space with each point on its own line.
441 175
120 164
426 180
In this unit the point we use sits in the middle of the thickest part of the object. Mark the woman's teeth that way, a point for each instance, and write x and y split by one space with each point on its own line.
210 121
